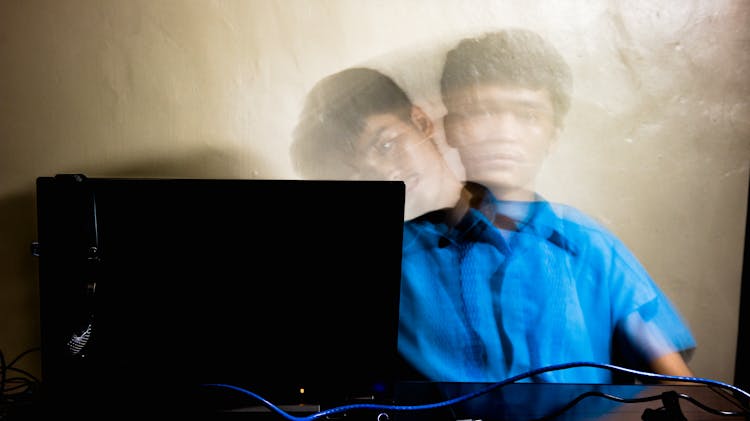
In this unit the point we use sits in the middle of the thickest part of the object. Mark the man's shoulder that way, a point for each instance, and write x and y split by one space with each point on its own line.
572 220
592 240
577 231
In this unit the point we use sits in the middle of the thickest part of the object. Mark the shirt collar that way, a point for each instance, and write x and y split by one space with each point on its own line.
477 208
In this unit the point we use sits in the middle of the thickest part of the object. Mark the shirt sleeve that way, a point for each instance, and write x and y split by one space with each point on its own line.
647 324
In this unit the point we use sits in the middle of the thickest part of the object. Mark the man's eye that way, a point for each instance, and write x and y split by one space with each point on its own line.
387 143
530 115
533 115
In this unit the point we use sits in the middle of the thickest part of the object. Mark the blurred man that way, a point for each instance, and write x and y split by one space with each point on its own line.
507 282
358 124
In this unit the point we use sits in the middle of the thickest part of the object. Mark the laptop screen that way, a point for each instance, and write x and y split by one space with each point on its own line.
156 287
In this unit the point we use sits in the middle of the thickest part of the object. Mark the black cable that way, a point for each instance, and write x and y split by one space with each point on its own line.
20 385
595 393
733 399
18 392
28 375
9 366
660 396
709 409
21 355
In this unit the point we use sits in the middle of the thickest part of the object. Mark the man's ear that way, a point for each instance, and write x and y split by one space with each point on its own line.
422 121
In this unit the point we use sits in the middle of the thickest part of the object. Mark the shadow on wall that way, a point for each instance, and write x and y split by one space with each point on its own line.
19 299
19 280
208 163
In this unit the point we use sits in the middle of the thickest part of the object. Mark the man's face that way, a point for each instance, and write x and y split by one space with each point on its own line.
390 148
503 134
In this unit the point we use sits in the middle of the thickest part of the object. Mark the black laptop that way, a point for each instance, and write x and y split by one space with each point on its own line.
160 293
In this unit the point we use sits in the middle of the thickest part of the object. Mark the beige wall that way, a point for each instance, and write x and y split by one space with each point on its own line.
657 144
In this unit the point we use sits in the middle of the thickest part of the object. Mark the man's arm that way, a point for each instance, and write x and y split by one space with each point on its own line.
671 364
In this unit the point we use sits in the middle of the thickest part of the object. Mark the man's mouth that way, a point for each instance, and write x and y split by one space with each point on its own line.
496 158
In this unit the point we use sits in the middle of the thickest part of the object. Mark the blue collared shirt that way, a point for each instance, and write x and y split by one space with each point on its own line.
481 304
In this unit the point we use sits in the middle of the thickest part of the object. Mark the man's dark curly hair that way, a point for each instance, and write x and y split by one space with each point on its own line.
516 57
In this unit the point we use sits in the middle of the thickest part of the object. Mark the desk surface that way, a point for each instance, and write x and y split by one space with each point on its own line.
532 401
545 401
516 402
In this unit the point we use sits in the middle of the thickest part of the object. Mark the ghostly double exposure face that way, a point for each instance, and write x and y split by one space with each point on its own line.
389 148
503 134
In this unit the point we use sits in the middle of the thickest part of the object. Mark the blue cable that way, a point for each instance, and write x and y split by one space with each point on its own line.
468 396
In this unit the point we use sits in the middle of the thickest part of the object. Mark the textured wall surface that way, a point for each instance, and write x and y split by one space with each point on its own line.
657 144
